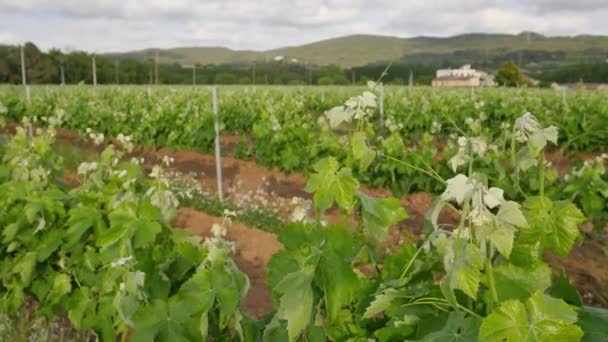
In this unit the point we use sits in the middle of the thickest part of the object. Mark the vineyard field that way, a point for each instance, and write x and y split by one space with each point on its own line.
376 213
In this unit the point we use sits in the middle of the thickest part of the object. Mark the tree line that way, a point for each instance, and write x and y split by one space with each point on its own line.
55 66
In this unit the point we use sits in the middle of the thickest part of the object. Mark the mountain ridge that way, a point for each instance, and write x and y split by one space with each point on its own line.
362 49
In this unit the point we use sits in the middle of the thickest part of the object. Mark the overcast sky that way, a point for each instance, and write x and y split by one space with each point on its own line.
118 25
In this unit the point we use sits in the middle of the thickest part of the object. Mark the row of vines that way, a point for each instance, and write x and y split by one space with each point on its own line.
104 254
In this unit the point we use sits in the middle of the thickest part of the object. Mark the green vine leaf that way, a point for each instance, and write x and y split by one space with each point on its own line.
563 288
380 213
593 321
296 300
457 189
554 224
81 219
338 115
458 328
361 152
513 282
164 321
463 262
340 282
330 184
381 302
502 234
25 268
541 318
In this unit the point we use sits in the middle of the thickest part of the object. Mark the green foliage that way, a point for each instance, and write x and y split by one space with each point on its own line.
509 75
552 226
540 318
103 254
593 322
331 184
379 214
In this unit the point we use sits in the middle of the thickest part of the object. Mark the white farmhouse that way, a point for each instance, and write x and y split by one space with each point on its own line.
464 76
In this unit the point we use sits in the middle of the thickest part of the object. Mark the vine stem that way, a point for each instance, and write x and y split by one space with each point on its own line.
411 262
441 301
492 283
428 173
513 147
541 174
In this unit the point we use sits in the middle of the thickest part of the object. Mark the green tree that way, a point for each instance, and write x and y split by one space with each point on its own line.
509 75
332 72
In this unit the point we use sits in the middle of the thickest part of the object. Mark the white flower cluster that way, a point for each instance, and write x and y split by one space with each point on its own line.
3 109
525 126
86 167
160 194
392 125
301 210
481 201
596 166
218 249
119 173
97 138
229 215
258 200
167 161
276 125
121 261
218 230
473 124
357 107
120 116
435 127
126 141
138 161
56 120
467 147
527 130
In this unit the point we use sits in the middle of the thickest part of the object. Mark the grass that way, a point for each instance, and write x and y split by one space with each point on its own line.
260 219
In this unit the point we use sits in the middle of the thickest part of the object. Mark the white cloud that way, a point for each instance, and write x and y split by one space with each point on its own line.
112 25
8 38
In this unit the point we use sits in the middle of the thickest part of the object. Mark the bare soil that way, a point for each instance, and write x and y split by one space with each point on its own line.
254 248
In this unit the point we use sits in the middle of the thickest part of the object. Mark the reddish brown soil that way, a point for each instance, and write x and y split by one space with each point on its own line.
587 267
254 248
246 175
71 178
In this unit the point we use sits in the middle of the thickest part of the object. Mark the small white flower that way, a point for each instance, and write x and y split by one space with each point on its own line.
156 172
86 167
218 230
435 127
479 146
121 261
229 213
41 225
126 142
167 161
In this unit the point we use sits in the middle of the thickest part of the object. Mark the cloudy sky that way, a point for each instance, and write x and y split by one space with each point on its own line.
117 25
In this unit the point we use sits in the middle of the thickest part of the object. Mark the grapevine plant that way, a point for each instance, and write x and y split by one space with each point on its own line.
481 277
103 253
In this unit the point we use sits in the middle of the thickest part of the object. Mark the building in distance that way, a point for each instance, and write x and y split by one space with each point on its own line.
464 76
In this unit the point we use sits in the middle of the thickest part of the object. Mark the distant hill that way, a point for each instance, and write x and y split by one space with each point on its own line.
528 48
